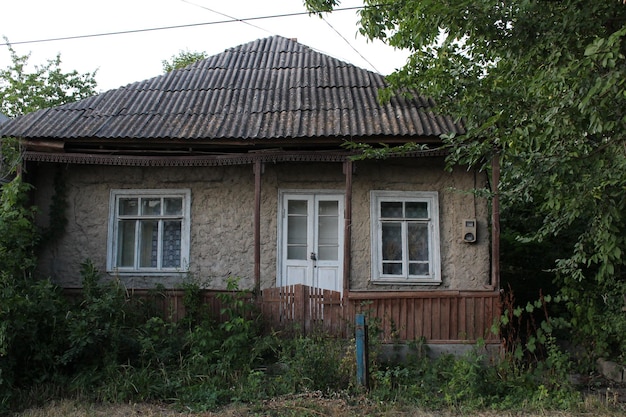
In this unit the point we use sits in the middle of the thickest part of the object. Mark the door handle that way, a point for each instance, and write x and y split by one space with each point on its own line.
313 256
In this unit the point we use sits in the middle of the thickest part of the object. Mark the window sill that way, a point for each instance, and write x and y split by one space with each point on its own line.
399 281
142 273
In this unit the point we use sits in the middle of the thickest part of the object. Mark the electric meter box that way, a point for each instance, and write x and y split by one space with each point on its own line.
469 230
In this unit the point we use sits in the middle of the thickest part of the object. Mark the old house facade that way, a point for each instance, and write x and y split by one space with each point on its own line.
236 166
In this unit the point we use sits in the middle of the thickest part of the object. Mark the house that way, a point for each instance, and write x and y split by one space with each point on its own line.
236 166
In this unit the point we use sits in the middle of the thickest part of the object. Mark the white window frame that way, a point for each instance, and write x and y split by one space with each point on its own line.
115 196
432 199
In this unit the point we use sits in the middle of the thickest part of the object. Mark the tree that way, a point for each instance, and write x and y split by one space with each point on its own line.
183 59
31 311
23 90
541 86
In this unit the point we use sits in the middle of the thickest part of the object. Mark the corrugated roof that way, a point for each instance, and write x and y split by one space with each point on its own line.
267 89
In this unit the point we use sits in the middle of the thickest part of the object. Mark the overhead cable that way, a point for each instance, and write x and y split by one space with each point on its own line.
123 32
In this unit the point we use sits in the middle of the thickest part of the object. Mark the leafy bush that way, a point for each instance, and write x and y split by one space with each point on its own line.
18 233
96 325
32 333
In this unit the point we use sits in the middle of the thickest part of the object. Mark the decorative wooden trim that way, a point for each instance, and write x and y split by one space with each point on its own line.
203 160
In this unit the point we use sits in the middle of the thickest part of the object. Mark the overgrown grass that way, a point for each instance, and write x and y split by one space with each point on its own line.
301 405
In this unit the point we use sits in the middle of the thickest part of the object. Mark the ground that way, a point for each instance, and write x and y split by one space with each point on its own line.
303 405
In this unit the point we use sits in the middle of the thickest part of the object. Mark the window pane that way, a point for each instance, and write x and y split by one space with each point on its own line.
418 269
392 268
391 209
296 252
128 206
418 241
171 244
416 209
126 243
392 241
148 243
150 206
173 206
328 230
328 253
297 207
328 208
297 230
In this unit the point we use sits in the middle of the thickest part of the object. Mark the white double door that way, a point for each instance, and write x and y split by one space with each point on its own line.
311 240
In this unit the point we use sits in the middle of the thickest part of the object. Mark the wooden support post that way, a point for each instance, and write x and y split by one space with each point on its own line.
347 235
257 225
495 222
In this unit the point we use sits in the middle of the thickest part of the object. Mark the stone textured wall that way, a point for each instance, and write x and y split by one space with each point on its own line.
463 266
222 216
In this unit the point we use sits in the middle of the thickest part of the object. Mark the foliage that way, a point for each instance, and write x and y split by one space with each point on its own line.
23 90
97 323
205 363
31 312
531 351
31 335
469 382
10 159
183 59
57 209
541 87
18 234
314 364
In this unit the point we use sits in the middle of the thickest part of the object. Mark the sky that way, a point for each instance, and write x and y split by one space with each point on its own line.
124 58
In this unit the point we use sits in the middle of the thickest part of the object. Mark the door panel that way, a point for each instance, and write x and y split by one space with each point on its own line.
296 275
328 278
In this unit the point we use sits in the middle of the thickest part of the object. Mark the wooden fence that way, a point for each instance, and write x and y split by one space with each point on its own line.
438 316
302 309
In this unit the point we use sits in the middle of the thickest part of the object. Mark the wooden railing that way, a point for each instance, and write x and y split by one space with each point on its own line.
439 317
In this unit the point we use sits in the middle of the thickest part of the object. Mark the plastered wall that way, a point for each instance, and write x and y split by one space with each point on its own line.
222 218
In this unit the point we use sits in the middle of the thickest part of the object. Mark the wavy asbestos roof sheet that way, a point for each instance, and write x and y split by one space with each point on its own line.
267 89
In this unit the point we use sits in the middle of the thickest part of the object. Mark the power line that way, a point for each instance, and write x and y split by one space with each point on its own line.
124 32
226 15
349 44
265 30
